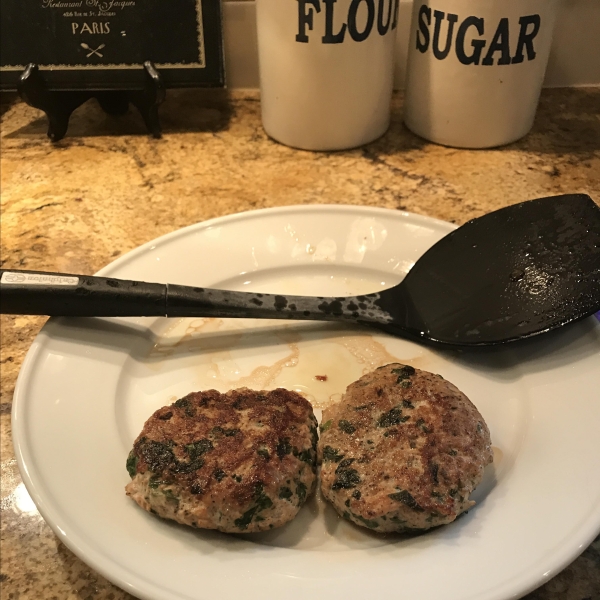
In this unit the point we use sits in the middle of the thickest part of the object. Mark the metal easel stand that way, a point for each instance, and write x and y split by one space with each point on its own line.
59 105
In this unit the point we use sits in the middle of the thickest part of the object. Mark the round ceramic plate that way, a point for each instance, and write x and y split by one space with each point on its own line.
88 385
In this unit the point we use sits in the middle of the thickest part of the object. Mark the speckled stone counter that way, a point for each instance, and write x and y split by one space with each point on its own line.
107 188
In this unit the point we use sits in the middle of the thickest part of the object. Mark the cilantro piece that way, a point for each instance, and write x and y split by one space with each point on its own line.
262 502
196 449
392 417
421 423
325 426
346 479
283 447
331 454
346 426
344 464
403 372
371 523
304 455
406 498
158 456
264 452
301 492
131 464
285 493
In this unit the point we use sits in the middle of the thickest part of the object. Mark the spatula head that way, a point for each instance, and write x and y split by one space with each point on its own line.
513 273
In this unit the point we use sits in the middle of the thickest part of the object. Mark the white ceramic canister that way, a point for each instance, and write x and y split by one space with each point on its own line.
326 70
475 69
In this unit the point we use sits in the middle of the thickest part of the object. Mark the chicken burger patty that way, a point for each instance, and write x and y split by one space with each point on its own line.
243 461
402 450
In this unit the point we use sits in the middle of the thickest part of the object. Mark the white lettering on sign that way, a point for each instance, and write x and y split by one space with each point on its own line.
100 28
37 279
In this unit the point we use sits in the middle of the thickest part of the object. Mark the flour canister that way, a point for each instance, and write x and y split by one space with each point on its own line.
475 69
326 70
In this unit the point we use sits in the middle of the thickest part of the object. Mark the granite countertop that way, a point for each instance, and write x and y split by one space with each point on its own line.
108 187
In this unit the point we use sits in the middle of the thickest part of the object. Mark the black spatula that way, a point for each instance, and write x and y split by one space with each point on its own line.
511 274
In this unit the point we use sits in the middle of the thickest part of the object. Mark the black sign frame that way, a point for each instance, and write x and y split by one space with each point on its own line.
88 48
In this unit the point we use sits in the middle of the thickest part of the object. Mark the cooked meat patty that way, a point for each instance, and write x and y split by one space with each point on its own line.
239 462
402 450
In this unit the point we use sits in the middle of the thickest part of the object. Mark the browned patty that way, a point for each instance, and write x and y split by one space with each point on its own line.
242 461
402 450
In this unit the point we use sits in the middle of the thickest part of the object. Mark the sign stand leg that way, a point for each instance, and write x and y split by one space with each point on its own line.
148 100
59 105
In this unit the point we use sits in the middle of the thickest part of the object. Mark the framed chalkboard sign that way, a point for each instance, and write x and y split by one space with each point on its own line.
103 44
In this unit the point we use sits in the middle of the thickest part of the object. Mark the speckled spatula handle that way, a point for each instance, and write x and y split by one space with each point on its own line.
67 295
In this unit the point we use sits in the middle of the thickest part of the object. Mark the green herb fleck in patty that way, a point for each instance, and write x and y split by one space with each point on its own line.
433 469
344 464
331 454
264 452
406 498
154 482
285 493
283 447
371 523
421 423
226 432
346 479
158 456
404 373
325 426
301 492
131 464
346 426
392 417
184 403
262 502
304 455
196 449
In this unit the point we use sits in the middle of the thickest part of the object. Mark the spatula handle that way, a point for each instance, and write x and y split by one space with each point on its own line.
65 295
59 294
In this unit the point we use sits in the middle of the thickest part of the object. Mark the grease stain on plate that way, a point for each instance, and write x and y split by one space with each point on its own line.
317 360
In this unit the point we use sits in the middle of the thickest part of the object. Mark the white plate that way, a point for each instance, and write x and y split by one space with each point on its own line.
87 386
